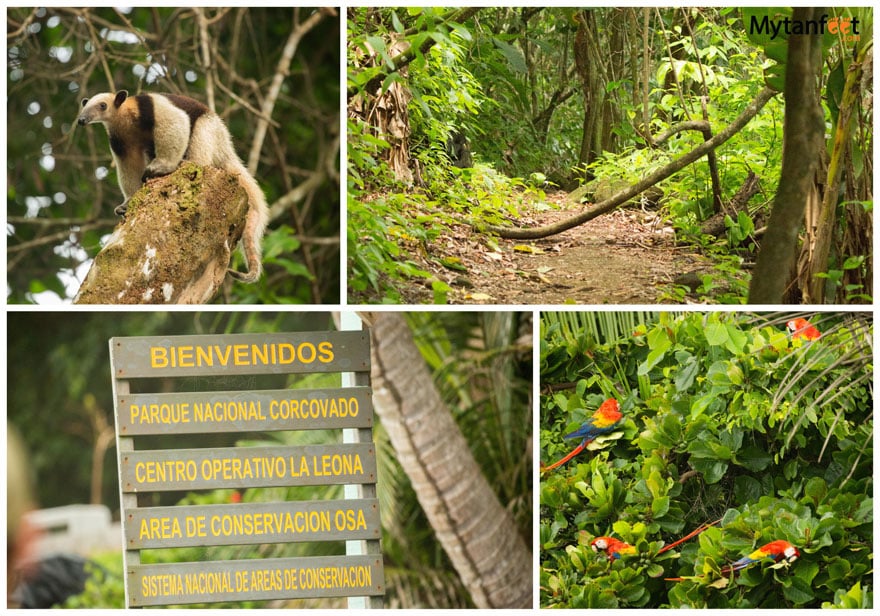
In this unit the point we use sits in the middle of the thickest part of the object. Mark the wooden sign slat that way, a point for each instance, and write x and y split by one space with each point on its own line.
246 467
244 411
259 579
235 354
252 523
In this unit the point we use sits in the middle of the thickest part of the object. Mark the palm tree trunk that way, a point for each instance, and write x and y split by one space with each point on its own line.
477 532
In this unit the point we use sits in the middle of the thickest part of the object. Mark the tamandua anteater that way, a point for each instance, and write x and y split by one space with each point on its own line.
150 134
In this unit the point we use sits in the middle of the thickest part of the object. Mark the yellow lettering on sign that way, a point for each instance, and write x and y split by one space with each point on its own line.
269 523
185 357
266 579
228 410
242 357
337 464
241 354
164 584
349 519
160 528
333 578
158 357
326 351
314 408
195 526
257 467
301 469
208 582
160 413
156 471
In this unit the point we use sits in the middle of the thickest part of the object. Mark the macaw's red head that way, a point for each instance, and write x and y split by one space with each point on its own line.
790 553
781 550
613 547
801 328
609 411
600 544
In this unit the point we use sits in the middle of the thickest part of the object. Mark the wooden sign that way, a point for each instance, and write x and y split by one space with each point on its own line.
171 527
250 580
245 411
162 470
155 356
176 411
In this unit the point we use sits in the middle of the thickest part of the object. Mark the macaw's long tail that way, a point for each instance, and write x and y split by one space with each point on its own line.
573 453
688 536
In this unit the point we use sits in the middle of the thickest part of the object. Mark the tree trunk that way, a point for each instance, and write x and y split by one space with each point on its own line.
477 532
803 134
828 221
175 243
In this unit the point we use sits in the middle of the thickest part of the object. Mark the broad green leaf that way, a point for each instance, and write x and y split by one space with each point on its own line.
716 334
660 506
797 591
753 458
512 54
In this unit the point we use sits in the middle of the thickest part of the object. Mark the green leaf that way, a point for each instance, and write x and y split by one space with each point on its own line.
576 558
513 55
716 334
816 489
660 506
753 458
746 489
658 339
853 262
838 570
395 23
712 470
736 338
378 45
774 77
797 591
622 528
685 376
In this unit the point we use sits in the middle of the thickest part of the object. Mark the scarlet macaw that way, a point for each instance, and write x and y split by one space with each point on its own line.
611 546
603 420
615 547
775 550
801 328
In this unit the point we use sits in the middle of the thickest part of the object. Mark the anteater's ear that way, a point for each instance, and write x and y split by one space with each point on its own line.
120 97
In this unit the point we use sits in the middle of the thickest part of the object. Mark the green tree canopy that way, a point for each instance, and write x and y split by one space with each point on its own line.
271 74
726 417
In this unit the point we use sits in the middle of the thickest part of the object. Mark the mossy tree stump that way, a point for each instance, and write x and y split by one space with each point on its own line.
174 244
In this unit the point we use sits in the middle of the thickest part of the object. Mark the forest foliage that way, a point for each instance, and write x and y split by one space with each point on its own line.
553 98
727 418
272 74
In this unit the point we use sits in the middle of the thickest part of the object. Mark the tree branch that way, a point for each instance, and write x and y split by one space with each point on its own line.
298 31
628 193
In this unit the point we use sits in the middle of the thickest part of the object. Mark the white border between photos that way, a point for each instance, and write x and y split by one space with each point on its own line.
536 310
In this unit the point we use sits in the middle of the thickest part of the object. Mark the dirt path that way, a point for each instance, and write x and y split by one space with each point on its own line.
624 257
621 258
